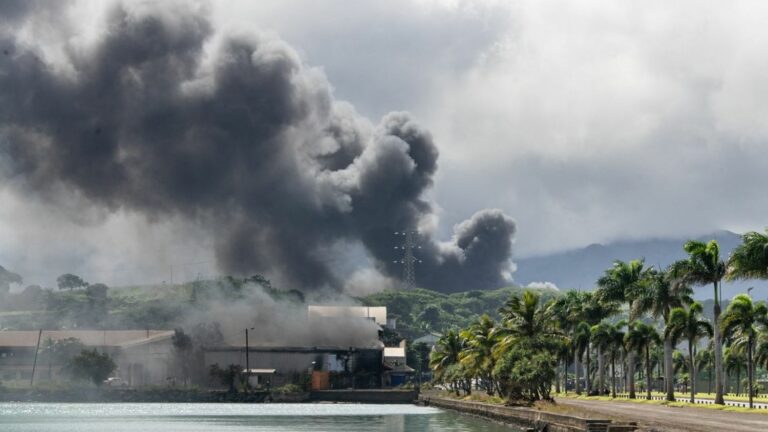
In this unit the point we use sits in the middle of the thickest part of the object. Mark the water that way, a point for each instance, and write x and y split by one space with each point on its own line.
171 417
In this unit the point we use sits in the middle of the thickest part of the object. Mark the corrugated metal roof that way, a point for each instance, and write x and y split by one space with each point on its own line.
28 338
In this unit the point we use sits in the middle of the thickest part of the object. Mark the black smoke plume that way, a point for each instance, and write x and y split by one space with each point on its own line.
165 117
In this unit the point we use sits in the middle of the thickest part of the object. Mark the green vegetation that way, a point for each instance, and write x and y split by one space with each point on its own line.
535 342
422 311
92 366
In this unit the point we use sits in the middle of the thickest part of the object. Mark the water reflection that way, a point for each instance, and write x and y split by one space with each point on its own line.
41 417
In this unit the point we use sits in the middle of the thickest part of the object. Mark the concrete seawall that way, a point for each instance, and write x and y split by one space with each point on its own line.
387 396
527 418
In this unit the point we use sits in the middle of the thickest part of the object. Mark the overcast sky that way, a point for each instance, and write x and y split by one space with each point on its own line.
585 121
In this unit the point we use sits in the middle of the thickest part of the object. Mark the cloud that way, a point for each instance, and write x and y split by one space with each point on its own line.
166 118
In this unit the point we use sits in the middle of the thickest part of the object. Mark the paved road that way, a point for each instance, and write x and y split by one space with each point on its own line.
664 418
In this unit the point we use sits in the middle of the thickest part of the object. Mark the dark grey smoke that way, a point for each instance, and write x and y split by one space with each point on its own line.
250 145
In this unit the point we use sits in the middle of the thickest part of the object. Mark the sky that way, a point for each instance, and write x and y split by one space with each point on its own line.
585 122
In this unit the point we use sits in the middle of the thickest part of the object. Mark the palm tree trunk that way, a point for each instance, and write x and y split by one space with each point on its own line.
668 372
691 355
631 374
709 380
648 371
750 369
576 370
587 381
557 378
600 370
738 381
565 375
718 352
613 376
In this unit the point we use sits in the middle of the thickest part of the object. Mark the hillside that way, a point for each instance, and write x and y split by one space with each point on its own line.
580 268
421 311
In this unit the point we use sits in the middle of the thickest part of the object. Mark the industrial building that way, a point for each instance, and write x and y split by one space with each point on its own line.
142 356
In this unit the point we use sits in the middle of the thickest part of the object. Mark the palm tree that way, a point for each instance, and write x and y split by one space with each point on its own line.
593 310
658 296
740 325
609 339
618 349
478 354
526 317
682 363
601 339
706 360
690 326
446 354
733 361
639 338
581 337
703 267
620 284
750 259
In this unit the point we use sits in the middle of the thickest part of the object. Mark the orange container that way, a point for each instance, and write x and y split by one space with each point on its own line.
320 380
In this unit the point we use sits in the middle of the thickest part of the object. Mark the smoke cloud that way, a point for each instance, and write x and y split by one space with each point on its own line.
164 116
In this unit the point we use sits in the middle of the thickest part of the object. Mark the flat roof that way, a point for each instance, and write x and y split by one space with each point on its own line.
260 371
394 352
316 349
377 313
28 338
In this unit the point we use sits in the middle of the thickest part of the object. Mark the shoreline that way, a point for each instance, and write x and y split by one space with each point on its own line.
528 418
381 396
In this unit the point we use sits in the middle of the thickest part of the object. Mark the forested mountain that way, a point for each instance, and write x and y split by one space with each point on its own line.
580 268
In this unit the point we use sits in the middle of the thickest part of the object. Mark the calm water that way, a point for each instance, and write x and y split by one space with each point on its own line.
150 417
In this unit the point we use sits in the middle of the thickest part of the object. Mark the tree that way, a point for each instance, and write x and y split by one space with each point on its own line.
478 355
92 366
229 376
183 352
639 338
601 339
690 326
6 279
527 317
446 354
581 337
704 267
620 284
526 372
417 355
750 259
608 338
60 351
741 325
431 316
70 282
733 362
706 360
657 295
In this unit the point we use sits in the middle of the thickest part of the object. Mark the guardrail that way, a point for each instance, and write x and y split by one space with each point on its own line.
741 404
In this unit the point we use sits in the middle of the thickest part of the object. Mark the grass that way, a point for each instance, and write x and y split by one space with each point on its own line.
679 404
733 397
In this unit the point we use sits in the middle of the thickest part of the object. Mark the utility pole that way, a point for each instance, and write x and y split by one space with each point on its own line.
34 364
409 260
247 363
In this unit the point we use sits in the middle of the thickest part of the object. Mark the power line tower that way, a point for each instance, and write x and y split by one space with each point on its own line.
408 260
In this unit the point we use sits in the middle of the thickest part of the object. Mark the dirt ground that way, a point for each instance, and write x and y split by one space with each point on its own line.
664 418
